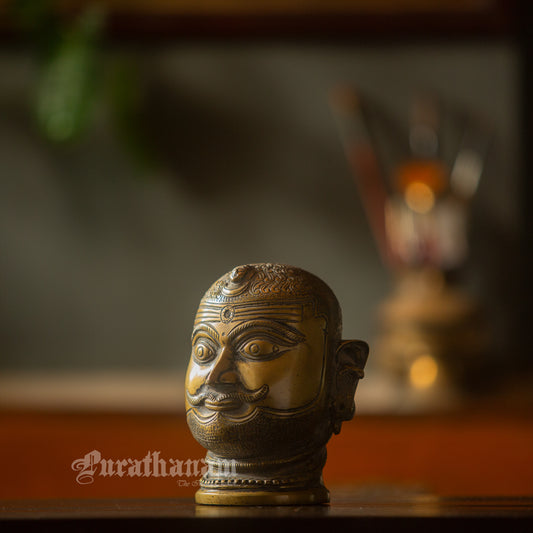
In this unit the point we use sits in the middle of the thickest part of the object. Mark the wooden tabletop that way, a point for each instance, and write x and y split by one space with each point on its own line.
377 512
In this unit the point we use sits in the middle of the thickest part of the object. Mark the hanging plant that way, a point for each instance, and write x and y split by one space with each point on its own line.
74 74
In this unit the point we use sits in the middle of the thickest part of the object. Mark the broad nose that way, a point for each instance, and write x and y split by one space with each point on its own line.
223 369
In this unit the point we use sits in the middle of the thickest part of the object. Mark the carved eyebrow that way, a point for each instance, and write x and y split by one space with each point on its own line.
289 334
205 328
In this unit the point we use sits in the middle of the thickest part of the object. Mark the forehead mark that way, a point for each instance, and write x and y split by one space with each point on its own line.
224 312
227 314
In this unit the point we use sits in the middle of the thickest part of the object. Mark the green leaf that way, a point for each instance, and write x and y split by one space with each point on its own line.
69 80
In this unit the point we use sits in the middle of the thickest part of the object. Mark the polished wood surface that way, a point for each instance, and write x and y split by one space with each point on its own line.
351 511
476 452
352 503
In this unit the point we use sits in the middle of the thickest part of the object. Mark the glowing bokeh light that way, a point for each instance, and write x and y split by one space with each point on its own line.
423 372
419 197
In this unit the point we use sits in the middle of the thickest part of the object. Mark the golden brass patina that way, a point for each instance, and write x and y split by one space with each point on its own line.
269 381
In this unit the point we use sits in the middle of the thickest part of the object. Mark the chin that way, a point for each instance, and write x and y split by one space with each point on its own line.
259 434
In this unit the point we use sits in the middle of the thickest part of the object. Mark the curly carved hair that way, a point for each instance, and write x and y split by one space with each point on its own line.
276 282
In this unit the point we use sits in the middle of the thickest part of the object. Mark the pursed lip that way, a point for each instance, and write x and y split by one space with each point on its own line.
222 405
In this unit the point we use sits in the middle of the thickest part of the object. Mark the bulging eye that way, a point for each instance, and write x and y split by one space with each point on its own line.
260 349
202 352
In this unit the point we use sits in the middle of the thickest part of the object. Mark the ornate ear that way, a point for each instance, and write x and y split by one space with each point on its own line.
350 359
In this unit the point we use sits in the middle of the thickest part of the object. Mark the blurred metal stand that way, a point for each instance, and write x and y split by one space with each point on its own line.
431 338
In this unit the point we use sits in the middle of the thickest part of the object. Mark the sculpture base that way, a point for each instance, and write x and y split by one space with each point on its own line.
311 496
292 480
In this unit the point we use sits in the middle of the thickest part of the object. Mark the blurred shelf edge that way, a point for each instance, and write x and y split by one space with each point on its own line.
297 19
100 391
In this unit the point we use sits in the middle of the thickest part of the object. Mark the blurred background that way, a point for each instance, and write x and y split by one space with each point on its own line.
146 148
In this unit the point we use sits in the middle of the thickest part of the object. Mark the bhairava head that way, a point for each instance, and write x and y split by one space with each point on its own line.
268 369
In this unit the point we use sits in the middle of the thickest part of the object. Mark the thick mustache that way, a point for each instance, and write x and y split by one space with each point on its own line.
240 393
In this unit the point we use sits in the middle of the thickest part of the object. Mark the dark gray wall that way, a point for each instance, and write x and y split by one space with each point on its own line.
101 268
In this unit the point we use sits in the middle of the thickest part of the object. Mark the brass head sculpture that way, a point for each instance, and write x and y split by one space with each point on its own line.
269 381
